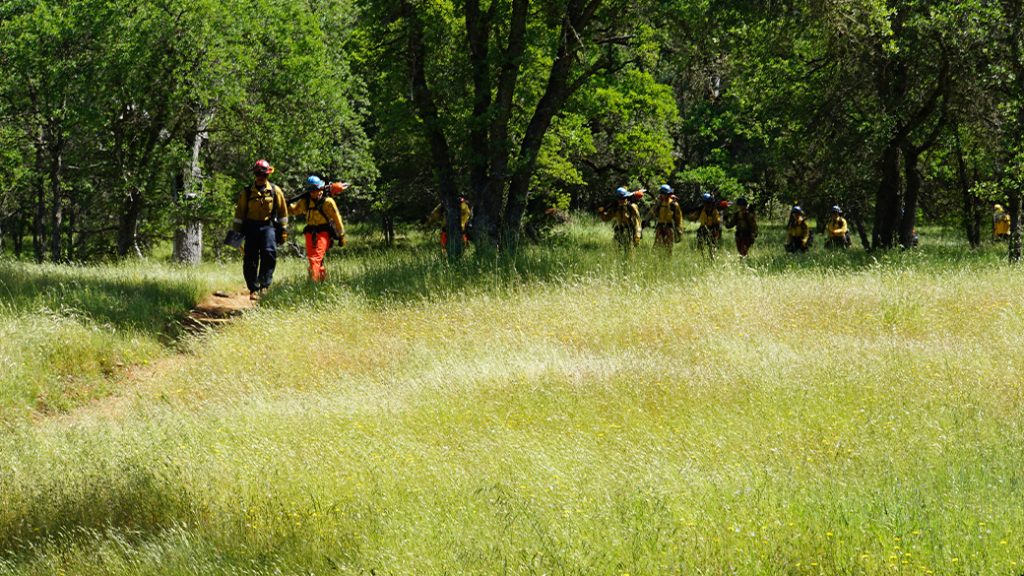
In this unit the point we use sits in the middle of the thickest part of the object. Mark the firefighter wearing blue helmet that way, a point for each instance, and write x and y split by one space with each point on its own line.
625 218
323 225
668 218
798 233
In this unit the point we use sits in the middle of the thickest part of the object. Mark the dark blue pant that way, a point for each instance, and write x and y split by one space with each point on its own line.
260 255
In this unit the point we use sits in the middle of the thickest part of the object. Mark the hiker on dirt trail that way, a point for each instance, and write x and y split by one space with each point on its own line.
262 216
710 219
437 216
837 229
1000 224
798 233
625 216
323 223
668 219
745 222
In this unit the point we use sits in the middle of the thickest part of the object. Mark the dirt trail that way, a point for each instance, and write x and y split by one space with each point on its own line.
216 309
213 311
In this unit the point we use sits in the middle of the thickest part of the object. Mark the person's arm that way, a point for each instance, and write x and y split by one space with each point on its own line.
464 215
637 224
435 215
334 216
300 206
241 210
677 216
843 229
282 206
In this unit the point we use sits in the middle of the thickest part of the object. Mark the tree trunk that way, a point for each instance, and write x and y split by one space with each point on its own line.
72 222
128 227
426 109
18 235
555 93
56 150
972 225
39 222
911 157
388 228
1014 210
857 219
887 199
188 238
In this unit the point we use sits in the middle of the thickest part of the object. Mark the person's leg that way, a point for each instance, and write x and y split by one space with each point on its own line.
268 257
310 254
316 253
251 260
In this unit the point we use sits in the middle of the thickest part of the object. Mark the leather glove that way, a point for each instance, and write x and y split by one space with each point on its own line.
284 236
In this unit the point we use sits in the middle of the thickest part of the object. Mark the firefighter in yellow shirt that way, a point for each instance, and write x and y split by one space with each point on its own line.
626 219
668 219
745 222
323 224
710 220
798 233
437 217
261 214
1000 224
838 230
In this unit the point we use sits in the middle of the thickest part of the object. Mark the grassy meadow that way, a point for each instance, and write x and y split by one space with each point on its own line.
568 411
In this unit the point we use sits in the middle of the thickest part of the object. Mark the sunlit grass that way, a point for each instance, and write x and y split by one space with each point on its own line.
563 412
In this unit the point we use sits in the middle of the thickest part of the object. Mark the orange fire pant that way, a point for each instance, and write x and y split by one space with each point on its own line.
444 239
316 248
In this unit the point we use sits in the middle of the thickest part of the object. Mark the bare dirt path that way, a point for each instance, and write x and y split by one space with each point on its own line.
213 311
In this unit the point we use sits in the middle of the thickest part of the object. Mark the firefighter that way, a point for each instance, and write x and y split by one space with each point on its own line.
745 223
626 219
437 217
1000 224
323 224
838 230
261 214
710 219
668 219
798 233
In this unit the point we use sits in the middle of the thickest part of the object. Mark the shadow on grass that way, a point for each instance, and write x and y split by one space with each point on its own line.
420 271
124 298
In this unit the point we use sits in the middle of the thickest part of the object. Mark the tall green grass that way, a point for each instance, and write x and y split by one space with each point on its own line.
565 411
66 332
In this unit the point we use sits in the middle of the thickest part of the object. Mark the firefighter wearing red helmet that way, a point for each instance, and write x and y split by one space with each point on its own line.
261 214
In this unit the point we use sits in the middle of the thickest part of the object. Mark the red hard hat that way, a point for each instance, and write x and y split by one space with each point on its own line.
338 187
262 168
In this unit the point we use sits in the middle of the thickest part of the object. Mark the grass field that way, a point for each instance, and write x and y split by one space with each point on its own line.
565 412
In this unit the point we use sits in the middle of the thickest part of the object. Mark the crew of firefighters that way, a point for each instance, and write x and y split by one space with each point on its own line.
262 212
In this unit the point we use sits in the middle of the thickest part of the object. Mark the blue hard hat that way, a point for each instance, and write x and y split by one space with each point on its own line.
796 210
836 209
622 192
314 183
707 197
666 189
